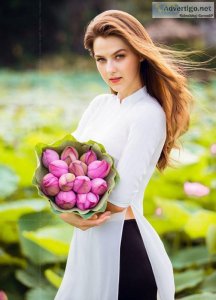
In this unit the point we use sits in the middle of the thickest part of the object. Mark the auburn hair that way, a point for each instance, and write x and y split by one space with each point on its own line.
163 72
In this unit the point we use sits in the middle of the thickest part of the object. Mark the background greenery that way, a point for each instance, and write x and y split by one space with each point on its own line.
47 80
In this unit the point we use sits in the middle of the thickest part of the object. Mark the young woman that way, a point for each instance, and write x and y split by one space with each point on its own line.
121 257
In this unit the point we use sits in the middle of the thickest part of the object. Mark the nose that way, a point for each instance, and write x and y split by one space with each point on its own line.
110 67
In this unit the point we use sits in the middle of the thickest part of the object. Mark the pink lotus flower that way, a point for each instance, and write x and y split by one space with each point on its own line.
48 156
99 186
69 154
50 185
196 189
78 168
213 149
66 182
88 157
3 296
87 201
98 169
58 167
66 200
82 185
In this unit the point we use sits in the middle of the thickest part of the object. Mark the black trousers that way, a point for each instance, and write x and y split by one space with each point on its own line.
136 280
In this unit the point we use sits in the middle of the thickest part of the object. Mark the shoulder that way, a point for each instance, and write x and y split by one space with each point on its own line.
149 110
100 100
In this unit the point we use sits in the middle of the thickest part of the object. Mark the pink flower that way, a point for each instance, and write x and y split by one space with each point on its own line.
66 182
50 185
69 154
196 189
58 167
82 185
3 296
99 186
78 168
66 200
213 149
98 169
88 157
87 201
48 156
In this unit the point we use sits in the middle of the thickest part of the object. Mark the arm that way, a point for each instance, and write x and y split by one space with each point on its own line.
146 134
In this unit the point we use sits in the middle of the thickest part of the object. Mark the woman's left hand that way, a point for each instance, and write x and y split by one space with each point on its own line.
84 224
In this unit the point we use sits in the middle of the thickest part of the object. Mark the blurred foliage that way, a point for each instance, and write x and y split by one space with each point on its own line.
34 242
33 31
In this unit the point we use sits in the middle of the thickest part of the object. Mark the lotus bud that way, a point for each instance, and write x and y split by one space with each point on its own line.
78 168
66 182
66 200
87 201
69 154
98 169
50 185
82 185
196 189
3 296
48 156
99 186
213 149
58 167
88 157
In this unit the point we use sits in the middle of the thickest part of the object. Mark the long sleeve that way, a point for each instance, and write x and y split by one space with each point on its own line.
86 116
147 134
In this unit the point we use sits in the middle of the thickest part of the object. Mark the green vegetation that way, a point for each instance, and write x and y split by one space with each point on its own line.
34 242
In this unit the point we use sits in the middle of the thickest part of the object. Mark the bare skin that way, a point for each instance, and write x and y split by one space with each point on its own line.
83 224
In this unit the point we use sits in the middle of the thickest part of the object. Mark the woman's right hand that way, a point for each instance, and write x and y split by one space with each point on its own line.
84 224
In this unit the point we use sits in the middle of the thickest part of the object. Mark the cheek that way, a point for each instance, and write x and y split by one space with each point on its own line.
133 70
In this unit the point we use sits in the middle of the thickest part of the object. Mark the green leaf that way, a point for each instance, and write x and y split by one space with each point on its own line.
205 296
173 208
53 278
198 224
46 293
208 284
192 257
12 211
32 248
211 239
31 276
53 239
59 145
7 259
9 181
188 279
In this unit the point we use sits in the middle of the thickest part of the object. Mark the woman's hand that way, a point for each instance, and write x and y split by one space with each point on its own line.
79 222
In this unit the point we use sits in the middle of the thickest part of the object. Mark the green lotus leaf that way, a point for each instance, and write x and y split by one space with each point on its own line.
82 147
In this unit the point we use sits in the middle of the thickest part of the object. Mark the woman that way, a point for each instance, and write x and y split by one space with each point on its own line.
121 256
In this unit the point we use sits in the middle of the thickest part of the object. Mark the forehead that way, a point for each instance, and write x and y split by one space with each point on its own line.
108 45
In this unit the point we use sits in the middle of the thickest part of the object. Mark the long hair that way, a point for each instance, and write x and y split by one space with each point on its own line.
163 72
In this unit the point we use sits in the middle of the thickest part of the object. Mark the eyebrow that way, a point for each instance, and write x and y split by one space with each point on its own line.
112 54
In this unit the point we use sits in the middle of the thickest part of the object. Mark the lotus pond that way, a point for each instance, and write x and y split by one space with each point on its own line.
180 203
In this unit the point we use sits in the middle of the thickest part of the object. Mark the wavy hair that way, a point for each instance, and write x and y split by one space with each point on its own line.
163 72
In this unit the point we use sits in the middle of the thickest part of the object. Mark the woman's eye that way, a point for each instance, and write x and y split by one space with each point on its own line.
99 59
119 55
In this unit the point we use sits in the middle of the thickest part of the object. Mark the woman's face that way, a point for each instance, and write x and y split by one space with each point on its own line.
118 65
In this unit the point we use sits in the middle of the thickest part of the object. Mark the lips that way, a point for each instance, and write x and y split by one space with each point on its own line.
115 79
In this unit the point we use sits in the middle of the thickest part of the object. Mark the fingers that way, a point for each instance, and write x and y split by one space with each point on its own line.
79 222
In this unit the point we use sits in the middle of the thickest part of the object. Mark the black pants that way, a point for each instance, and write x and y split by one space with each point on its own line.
136 281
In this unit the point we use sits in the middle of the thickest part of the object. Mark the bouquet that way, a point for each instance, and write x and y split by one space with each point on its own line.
74 176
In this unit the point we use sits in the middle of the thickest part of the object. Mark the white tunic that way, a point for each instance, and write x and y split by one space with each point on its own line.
133 132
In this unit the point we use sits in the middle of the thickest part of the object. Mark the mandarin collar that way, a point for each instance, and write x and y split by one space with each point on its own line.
132 98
